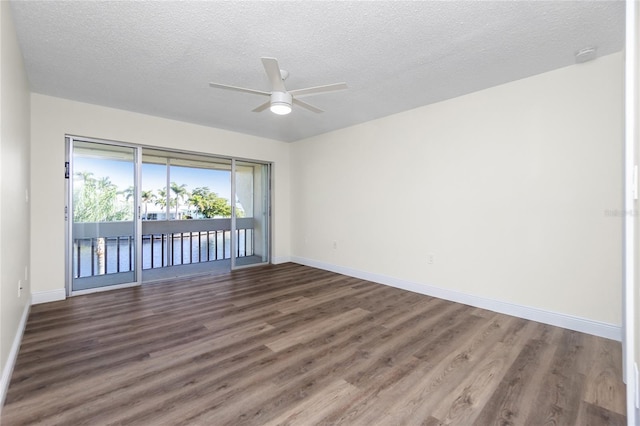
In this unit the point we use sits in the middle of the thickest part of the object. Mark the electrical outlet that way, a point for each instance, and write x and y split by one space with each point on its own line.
430 259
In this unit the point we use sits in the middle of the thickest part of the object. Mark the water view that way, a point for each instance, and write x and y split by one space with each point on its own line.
113 255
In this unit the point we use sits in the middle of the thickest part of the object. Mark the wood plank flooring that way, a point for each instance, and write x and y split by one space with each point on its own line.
289 344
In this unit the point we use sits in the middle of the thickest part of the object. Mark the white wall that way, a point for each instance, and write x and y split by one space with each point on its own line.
508 188
14 181
632 352
52 118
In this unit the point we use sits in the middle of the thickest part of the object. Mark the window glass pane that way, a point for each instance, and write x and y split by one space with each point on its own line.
103 229
252 213
200 193
103 188
153 196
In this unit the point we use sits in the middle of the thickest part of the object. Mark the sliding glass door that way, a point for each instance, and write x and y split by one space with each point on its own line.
141 214
186 229
251 213
101 210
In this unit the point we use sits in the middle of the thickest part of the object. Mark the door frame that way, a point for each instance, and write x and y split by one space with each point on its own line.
267 200
631 240
68 215
139 150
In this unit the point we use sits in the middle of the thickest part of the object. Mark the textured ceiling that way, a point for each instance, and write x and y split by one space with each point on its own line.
158 57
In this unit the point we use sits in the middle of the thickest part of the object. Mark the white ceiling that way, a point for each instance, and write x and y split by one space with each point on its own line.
158 57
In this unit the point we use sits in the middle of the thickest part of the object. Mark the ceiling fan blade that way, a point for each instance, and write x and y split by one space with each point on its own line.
307 106
318 89
239 89
275 76
262 107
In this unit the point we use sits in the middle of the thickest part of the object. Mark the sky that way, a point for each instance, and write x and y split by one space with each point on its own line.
154 175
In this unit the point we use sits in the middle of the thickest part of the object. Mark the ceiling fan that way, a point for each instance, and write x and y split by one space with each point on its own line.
281 98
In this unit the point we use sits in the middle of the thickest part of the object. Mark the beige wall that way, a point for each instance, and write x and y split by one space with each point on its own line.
514 190
52 118
14 182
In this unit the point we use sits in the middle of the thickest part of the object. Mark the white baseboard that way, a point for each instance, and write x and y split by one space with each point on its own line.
48 296
570 322
13 354
280 259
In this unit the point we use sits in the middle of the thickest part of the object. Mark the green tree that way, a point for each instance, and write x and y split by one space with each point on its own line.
180 191
147 197
209 204
128 193
161 200
96 200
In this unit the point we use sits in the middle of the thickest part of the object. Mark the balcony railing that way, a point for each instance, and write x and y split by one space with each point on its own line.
108 248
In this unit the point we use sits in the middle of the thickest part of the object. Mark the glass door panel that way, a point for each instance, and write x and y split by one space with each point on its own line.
251 219
186 229
142 214
102 212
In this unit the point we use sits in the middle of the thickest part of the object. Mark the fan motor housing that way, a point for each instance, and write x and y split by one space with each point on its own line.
279 98
281 102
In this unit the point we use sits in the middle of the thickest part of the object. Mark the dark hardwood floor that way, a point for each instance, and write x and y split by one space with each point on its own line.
290 344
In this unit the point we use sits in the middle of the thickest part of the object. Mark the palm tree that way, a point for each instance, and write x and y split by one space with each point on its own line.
84 175
161 200
147 197
180 192
128 193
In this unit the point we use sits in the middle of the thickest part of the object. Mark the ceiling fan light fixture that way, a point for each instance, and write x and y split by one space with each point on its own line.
280 108
281 103
281 100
